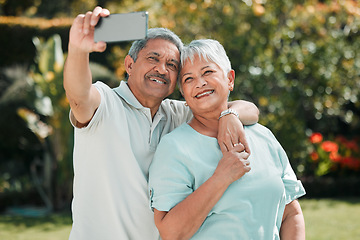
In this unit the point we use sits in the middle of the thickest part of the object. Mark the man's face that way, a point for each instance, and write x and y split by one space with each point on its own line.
153 76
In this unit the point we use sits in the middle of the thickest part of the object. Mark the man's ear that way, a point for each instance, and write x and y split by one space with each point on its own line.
231 78
128 62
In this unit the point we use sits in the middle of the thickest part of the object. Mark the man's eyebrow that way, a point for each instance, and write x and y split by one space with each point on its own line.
175 61
158 55
153 53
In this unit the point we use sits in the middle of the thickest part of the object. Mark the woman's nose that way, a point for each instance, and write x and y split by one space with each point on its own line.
201 82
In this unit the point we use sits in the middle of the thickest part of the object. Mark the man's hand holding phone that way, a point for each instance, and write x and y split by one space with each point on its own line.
91 31
81 38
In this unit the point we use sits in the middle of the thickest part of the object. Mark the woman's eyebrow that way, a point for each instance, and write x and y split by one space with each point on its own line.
204 67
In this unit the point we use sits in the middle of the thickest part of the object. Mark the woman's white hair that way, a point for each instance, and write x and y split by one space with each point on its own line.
209 50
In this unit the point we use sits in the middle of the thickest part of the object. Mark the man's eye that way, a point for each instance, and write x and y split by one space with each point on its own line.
172 66
152 58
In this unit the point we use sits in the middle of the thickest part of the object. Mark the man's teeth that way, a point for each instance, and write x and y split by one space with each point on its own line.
204 93
155 80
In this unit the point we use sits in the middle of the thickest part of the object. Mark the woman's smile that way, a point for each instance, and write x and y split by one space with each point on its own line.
204 93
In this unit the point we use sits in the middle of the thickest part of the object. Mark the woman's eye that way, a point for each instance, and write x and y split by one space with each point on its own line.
187 79
207 72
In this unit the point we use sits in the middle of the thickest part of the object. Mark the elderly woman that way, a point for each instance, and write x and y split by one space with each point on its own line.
197 192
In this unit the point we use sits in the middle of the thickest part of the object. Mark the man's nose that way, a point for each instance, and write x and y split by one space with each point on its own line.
161 68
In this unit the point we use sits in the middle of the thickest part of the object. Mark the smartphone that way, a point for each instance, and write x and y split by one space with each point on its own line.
122 27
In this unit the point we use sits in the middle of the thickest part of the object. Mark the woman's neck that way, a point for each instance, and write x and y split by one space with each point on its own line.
206 126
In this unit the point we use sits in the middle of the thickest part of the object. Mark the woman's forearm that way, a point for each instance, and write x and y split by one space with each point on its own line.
183 221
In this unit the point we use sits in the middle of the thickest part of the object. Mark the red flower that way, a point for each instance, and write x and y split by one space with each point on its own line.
316 138
352 145
351 162
329 146
314 156
335 157
341 139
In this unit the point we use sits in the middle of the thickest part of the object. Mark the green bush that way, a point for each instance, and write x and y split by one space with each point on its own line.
298 60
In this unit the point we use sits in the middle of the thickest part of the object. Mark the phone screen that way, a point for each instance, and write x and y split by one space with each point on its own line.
122 27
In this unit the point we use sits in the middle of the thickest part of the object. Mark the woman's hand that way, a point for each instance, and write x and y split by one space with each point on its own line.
82 32
231 132
233 165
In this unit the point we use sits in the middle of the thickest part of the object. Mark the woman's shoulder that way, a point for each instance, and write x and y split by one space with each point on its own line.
257 128
177 136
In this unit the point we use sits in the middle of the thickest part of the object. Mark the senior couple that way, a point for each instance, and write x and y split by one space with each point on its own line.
200 180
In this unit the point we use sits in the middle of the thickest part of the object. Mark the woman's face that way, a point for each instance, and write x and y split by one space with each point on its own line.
204 86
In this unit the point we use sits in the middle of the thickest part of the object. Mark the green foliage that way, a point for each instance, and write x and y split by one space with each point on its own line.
296 59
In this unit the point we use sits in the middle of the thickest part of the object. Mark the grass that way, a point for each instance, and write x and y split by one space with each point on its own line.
332 218
53 227
325 219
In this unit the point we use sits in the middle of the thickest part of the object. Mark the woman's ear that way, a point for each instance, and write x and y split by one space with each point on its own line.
231 78
129 61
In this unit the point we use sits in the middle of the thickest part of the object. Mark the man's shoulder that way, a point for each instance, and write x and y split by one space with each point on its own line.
176 111
178 135
101 85
171 104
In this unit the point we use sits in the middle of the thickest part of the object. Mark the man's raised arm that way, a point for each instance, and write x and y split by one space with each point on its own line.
83 97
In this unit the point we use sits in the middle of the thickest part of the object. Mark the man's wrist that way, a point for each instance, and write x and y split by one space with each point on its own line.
229 111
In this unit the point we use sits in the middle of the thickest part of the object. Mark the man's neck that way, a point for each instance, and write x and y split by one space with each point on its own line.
151 103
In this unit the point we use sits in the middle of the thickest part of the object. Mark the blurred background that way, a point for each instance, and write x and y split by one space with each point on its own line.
298 61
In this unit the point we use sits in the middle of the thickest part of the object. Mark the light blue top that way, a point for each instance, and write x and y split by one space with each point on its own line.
251 208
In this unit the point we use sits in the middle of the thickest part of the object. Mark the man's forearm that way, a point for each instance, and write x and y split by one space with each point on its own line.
77 75
248 112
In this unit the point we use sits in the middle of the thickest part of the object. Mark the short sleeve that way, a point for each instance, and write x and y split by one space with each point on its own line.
170 180
293 187
102 89
179 112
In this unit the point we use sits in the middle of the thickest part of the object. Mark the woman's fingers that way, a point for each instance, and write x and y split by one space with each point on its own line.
238 147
